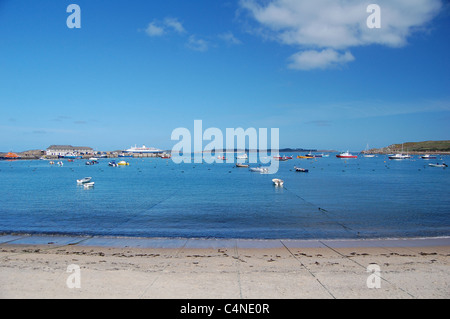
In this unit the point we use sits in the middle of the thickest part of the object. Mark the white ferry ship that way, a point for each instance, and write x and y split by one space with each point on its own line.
143 149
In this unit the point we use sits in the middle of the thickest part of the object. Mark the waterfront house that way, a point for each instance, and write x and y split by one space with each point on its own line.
62 150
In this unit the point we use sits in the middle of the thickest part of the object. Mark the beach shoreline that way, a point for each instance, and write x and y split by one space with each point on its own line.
44 266
174 242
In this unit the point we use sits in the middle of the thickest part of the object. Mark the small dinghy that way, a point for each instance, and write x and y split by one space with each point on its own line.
89 185
241 165
443 165
84 180
278 182
113 164
261 170
299 169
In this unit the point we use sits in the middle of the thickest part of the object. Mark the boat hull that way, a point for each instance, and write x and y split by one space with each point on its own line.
438 165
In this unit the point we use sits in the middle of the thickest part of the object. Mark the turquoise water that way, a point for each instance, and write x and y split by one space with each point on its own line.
353 198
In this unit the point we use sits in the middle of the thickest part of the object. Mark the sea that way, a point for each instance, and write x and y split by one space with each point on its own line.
157 198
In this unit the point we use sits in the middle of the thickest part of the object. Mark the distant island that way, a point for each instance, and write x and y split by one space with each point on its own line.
442 147
432 147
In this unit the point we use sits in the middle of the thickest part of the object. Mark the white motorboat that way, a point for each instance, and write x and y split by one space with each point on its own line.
89 185
443 165
399 157
428 156
261 170
241 165
84 180
243 156
278 182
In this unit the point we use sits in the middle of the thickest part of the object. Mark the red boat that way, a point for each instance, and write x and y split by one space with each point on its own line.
346 155
284 158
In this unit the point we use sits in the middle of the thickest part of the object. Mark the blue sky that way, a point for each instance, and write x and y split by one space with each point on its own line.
137 70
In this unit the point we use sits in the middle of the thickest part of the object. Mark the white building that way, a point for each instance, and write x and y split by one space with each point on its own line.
62 150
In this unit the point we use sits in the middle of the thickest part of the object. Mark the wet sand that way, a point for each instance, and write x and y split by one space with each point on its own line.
37 267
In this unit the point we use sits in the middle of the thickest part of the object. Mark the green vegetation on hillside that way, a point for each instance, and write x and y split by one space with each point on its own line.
419 147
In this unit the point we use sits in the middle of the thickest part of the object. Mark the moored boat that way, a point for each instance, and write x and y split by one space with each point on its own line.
346 155
113 164
123 163
278 182
282 158
299 169
241 165
428 156
366 152
84 180
72 156
261 170
10 156
88 185
399 157
443 165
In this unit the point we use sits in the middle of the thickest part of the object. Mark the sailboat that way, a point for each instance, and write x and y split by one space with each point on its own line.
366 154
399 156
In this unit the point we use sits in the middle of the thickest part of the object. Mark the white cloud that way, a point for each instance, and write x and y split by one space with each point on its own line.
311 59
229 38
154 31
157 29
197 44
174 24
337 24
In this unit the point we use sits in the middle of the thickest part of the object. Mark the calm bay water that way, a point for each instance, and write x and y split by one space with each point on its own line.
353 198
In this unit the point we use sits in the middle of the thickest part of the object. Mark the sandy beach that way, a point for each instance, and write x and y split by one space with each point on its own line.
65 267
